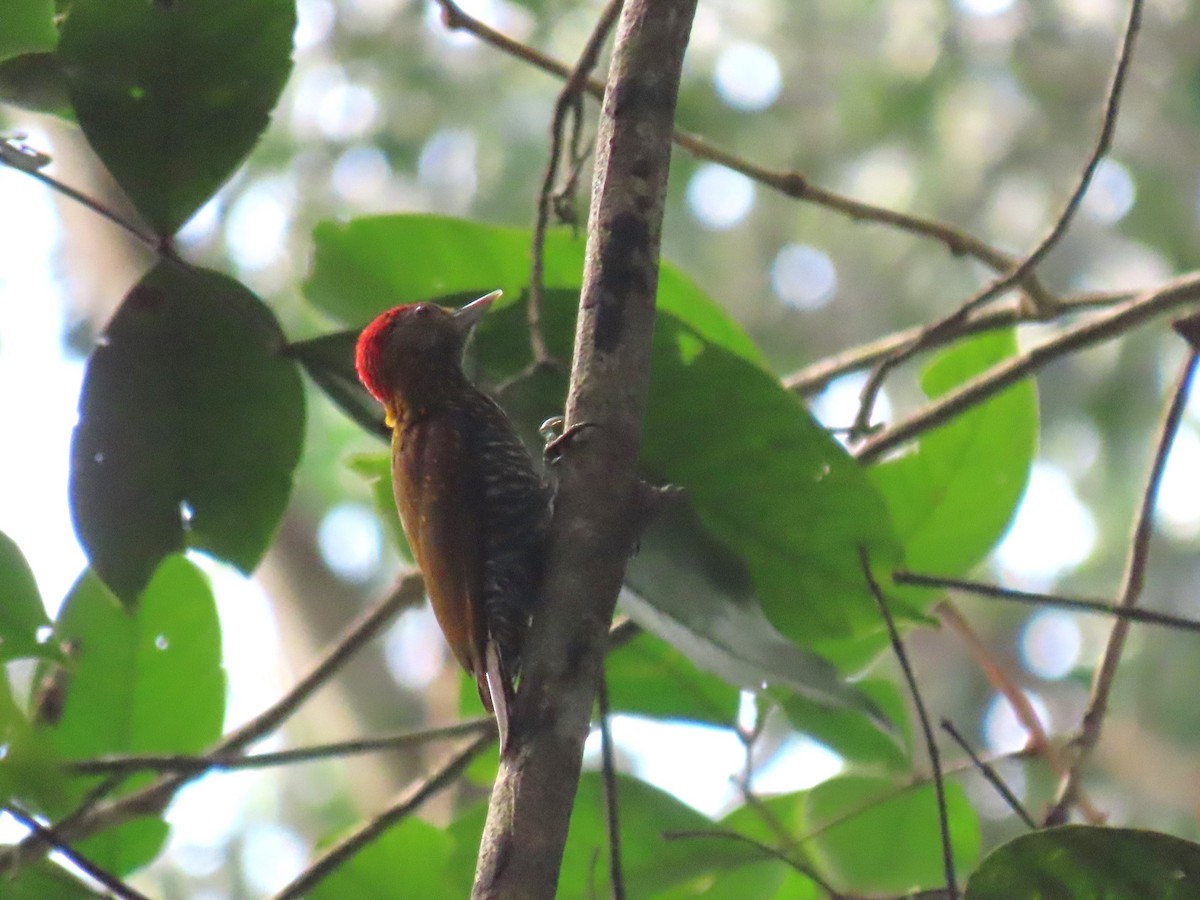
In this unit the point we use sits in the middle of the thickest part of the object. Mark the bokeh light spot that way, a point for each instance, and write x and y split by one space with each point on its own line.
803 276
1002 731
1053 531
1050 644
351 542
1178 506
1111 194
719 197
747 77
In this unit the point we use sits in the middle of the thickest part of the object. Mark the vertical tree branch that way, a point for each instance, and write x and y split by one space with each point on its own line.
593 522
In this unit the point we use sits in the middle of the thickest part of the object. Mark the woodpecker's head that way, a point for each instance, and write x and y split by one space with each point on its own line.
411 346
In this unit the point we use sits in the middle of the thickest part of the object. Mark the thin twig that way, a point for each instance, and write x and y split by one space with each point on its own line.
791 184
816 376
1032 598
1000 286
569 102
195 765
992 776
765 849
930 744
1095 330
152 799
23 159
1038 741
608 769
409 801
110 881
1131 591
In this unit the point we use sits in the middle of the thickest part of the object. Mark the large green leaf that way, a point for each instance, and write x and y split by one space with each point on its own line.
191 425
648 677
1085 861
21 610
364 266
35 81
874 835
28 27
29 768
409 860
144 681
173 95
858 740
43 880
953 497
768 482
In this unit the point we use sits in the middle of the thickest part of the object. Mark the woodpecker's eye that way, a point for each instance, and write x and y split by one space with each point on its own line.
422 310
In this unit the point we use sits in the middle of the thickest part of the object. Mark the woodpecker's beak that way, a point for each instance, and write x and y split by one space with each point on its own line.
468 316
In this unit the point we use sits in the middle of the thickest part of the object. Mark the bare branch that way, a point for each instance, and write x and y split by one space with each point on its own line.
935 762
592 532
115 885
992 776
1112 105
1098 329
408 802
195 765
1134 614
765 849
816 376
569 102
1131 591
790 184
608 769
152 800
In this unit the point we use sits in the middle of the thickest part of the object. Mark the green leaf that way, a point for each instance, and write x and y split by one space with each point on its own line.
28 27
647 677
768 482
952 499
172 96
21 610
874 835
191 424
695 594
43 880
408 860
847 733
367 265
144 681
29 769
35 81
1078 861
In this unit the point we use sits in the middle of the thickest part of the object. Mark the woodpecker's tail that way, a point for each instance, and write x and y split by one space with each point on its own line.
496 690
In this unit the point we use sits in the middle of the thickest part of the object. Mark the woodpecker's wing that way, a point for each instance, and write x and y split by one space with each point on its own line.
433 476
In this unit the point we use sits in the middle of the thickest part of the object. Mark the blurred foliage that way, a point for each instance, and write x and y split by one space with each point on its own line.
404 161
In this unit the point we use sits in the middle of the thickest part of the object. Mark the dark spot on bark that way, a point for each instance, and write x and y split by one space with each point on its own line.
642 167
621 273
576 653
639 96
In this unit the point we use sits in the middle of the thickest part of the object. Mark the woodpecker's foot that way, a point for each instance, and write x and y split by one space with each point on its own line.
557 440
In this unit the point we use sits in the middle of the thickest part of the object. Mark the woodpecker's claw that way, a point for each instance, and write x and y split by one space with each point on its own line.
557 440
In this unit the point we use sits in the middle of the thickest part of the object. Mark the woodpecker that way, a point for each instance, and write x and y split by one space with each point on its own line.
474 508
